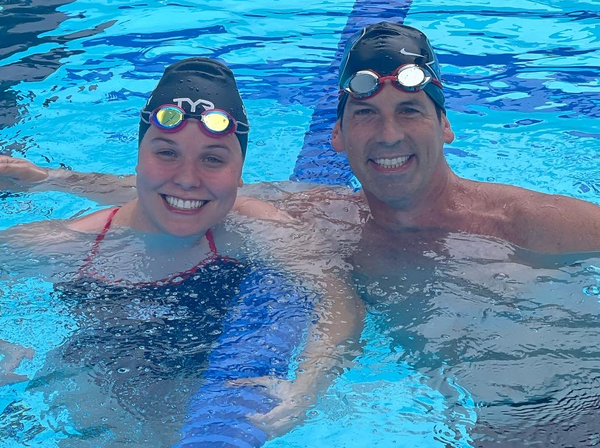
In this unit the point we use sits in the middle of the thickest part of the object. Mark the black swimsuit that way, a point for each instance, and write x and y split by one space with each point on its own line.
135 335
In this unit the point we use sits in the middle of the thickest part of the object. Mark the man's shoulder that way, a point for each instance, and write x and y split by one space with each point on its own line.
518 200
542 221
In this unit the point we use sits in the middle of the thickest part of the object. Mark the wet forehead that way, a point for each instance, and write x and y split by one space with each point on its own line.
391 96
190 137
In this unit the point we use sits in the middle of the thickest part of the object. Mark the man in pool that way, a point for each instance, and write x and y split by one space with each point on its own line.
392 124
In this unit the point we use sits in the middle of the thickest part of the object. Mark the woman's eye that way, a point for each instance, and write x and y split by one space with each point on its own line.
213 160
166 153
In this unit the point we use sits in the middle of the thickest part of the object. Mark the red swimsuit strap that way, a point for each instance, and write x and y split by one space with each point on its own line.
181 276
175 278
96 246
211 242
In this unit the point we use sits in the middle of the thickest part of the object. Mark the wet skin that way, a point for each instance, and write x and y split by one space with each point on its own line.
187 181
394 143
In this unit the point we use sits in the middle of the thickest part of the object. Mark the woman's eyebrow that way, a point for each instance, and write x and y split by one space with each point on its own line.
164 139
217 146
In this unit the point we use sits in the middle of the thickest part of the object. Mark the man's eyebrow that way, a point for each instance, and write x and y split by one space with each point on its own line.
364 102
410 102
357 101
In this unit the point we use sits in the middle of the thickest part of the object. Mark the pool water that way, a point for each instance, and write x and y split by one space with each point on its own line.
523 97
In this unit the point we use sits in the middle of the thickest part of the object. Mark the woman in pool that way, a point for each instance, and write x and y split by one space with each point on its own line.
162 272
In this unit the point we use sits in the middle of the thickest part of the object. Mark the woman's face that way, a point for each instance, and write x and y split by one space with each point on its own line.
187 181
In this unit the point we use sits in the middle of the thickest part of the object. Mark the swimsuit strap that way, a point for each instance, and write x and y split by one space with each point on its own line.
175 278
181 276
96 246
211 241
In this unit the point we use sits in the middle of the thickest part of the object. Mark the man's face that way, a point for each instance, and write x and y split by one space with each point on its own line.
394 142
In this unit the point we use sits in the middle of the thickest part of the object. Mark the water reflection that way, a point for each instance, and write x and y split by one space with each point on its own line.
25 26
515 331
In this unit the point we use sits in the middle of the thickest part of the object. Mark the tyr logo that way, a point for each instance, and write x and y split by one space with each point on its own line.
207 105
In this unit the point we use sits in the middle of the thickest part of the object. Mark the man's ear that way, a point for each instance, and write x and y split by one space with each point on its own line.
241 183
336 137
448 132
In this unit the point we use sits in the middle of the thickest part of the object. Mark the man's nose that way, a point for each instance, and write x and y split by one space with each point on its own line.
390 131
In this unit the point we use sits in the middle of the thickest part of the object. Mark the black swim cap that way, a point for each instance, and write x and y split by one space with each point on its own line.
383 47
195 85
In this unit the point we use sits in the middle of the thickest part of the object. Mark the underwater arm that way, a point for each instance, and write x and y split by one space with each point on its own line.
42 249
332 343
11 356
21 175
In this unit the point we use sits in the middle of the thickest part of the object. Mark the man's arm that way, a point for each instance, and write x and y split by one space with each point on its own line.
332 343
11 355
22 175
105 189
558 224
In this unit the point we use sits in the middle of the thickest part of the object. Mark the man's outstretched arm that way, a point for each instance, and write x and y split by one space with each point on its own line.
22 175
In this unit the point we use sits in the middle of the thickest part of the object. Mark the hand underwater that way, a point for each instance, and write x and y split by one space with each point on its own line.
12 355
294 397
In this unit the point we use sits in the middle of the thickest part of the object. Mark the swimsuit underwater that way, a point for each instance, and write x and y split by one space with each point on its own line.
148 336
218 321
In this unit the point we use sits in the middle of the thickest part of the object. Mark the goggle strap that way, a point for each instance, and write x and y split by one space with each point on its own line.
145 120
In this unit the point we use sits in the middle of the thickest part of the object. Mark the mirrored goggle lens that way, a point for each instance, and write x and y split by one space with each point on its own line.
362 83
412 77
218 122
169 117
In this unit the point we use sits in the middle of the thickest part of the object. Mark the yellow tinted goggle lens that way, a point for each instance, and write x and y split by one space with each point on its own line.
169 117
216 121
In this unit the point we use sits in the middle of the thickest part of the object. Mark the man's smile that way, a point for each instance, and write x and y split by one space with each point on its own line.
391 163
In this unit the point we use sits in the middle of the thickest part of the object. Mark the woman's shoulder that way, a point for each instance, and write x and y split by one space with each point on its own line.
95 222
61 230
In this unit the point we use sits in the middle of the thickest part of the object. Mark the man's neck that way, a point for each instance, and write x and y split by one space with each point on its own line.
433 208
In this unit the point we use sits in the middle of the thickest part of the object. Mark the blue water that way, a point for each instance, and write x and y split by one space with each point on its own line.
523 97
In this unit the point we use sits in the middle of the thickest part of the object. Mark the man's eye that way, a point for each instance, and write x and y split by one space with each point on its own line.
409 111
363 111
213 160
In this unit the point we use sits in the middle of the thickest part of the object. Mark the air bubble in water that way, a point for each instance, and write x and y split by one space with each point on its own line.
591 290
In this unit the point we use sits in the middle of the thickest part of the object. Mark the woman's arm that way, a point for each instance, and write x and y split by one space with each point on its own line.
22 175
333 332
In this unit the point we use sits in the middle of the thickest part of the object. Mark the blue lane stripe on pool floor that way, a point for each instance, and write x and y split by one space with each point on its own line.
317 161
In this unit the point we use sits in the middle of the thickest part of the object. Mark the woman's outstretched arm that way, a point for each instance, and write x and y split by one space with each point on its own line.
107 189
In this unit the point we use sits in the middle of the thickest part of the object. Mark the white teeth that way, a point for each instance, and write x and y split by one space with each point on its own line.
183 204
392 163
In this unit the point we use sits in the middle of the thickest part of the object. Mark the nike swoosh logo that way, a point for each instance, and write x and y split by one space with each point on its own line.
408 53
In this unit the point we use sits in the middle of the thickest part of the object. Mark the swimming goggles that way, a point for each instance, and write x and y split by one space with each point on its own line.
213 122
408 77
